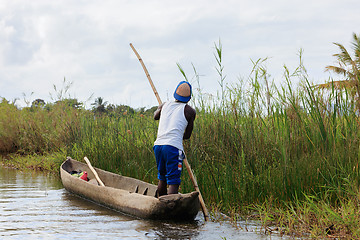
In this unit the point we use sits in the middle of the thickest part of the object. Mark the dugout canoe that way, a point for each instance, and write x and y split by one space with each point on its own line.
128 195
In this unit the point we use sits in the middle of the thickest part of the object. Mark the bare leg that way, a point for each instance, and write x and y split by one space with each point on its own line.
173 189
162 188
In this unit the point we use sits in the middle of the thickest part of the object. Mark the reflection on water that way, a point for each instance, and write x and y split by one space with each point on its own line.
36 206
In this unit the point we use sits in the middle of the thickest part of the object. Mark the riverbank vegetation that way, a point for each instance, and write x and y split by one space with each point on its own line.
286 153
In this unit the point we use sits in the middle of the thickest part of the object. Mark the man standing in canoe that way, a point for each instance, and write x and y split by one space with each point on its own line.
176 123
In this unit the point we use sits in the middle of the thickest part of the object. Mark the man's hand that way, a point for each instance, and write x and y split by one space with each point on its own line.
158 112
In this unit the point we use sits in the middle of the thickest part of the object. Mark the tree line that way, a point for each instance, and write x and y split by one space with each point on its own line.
100 107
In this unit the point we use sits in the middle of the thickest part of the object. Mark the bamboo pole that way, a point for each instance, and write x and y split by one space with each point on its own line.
193 179
188 168
94 172
147 74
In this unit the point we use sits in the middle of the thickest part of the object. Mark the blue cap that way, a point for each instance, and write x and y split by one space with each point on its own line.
183 92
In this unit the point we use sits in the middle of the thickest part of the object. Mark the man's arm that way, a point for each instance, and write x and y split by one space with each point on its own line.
158 112
190 115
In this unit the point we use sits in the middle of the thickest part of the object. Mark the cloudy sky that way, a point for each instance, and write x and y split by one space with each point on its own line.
87 43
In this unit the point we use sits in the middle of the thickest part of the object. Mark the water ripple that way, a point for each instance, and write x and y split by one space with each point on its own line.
36 206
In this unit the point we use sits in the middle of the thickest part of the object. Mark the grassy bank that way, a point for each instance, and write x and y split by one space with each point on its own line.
289 153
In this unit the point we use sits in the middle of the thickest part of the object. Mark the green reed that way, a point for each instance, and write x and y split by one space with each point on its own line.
275 142
36 130
122 145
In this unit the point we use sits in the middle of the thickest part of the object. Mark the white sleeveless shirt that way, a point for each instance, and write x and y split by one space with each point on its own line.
172 125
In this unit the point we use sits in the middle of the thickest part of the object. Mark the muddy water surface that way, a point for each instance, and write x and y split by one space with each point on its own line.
36 206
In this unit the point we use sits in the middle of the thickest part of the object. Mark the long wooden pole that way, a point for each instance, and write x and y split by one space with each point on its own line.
188 168
193 179
147 74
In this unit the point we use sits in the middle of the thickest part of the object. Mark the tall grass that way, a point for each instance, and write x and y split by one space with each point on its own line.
122 145
276 142
36 130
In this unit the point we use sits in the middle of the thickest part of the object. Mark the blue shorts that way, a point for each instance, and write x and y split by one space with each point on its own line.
169 163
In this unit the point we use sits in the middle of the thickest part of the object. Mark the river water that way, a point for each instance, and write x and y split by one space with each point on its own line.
35 205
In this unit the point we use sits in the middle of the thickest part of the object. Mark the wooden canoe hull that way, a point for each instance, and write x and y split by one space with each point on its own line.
129 195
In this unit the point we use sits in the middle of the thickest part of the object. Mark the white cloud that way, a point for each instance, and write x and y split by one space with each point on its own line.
41 42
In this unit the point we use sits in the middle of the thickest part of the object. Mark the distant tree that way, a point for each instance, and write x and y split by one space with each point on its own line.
150 111
38 103
349 67
124 109
140 110
110 108
99 106
67 102
71 102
